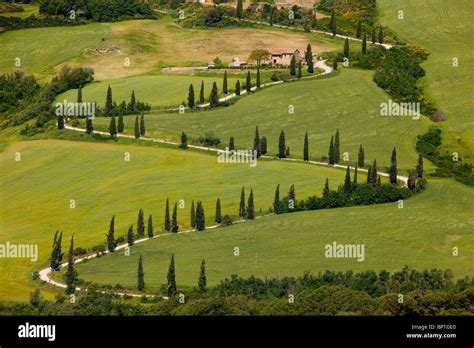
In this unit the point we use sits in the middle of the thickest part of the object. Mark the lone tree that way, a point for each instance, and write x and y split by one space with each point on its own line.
242 204
140 275
248 83
393 167
359 29
309 59
346 48
331 159
120 124
250 207
381 35
332 23
293 65
137 128
171 279
132 101
231 144
140 224
167 216
184 141
202 277
258 83
239 9
214 98
347 181
174 225
337 148
374 173
71 273
193 215
419 166
361 157
263 145
112 127
150 226
300 73
225 88
259 55
276 200
79 95
56 253
326 188
108 101
237 88
90 127
256 143
200 217
218 217
281 145
110 235
130 238
202 100
306 148
364 44
191 101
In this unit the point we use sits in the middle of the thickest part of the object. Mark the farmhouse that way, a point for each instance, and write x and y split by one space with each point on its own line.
282 56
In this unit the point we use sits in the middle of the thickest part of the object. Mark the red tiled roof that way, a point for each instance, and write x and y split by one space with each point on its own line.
280 51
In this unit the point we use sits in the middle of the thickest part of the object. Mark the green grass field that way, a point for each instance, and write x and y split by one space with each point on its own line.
444 27
421 235
349 101
36 193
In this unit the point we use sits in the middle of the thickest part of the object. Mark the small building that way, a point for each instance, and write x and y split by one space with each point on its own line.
282 56
236 63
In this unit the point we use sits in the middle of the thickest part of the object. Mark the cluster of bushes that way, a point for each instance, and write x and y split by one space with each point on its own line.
13 23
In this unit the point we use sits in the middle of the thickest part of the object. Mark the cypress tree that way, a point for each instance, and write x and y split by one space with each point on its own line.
150 226
112 127
347 181
411 183
56 253
110 235
193 215
89 126
369 175
184 141
171 278
337 148
300 73
167 216
218 211
108 101
276 200
248 83
200 217
120 124
250 207
293 66
214 98
130 238
326 188
374 173
258 83
132 101
346 48
281 145
140 224
225 88
364 44
361 157
239 9
380 35
140 275
202 277
332 23
373 35
309 59
231 144
202 100
256 143
379 180
359 29
331 152
191 102
419 166
306 148
79 95
263 145
292 194
237 88
71 273
355 175
334 64
242 204
393 167
174 223
137 129
60 122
